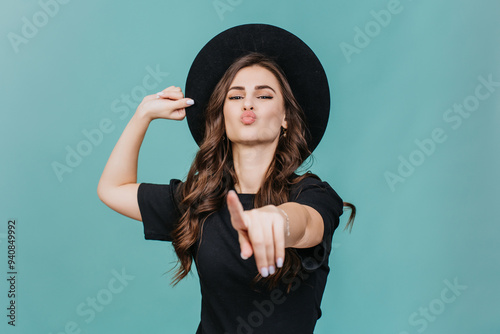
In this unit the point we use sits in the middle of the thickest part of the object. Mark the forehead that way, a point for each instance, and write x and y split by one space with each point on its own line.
255 75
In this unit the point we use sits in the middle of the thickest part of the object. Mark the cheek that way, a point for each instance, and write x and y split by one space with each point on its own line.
276 118
228 119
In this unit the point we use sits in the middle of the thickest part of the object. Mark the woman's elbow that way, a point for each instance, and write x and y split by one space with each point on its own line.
102 191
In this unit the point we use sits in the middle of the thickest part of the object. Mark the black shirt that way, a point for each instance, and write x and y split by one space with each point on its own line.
229 303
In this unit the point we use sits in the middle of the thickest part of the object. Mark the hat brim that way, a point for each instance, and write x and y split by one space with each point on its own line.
301 66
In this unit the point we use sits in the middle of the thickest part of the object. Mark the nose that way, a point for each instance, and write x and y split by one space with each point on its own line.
247 105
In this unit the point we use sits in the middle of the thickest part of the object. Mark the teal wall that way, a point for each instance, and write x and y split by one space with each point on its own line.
423 256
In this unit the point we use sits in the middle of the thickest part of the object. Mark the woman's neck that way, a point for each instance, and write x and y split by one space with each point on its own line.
251 164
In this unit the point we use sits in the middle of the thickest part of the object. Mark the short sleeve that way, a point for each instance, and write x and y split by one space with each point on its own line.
320 196
159 209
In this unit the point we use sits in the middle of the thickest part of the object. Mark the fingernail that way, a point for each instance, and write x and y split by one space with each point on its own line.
243 257
271 270
190 102
159 93
264 272
279 262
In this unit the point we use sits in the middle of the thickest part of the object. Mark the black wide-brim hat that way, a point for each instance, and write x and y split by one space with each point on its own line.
302 68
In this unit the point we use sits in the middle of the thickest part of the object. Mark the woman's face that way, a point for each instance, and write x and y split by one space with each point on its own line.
254 110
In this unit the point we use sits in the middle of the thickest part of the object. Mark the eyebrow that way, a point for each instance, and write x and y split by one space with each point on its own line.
260 87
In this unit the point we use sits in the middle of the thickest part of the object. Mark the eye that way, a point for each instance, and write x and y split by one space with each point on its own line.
235 97
265 97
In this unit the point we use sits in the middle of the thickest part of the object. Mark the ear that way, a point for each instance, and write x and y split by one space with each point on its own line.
284 123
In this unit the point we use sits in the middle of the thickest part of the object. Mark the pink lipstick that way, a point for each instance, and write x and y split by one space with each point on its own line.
248 117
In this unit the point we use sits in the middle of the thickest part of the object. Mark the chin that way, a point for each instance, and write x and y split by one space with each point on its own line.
253 140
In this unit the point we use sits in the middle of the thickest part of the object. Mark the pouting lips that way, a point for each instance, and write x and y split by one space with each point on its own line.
248 117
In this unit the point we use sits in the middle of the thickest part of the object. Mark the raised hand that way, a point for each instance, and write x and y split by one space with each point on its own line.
261 232
168 104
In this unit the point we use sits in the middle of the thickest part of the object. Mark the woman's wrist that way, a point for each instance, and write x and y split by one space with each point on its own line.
142 116
287 222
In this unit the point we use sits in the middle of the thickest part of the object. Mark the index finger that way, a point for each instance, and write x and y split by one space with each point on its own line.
170 94
235 211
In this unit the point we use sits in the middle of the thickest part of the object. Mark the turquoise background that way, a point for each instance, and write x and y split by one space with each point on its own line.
440 225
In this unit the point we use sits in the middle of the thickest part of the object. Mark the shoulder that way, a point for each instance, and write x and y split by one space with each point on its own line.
311 189
160 190
158 204
151 194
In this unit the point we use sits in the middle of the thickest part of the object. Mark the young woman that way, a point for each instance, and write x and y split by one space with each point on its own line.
259 234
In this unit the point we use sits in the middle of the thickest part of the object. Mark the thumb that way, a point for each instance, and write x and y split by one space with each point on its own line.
179 104
183 103
178 108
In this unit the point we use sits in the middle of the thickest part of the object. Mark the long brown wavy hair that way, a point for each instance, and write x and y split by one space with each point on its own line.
212 172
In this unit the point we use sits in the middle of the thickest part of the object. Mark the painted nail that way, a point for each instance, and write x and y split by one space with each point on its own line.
190 102
279 262
243 257
159 93
271 270
264 272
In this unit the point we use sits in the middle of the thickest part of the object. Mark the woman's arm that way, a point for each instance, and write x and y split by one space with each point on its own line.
305 225
118 184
